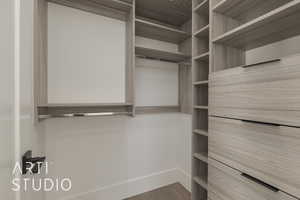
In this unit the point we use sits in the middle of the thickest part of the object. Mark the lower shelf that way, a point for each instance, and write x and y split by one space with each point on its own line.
160 55
83 110
157 109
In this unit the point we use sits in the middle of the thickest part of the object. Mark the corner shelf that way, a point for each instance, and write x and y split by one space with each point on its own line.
279 24
160 55
159 32
203 32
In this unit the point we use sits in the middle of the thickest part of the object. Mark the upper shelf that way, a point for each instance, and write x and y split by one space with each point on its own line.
161 55
279 24
159 32
234 7
55 105
202 8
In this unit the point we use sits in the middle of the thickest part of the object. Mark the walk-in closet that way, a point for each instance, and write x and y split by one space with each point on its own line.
150 100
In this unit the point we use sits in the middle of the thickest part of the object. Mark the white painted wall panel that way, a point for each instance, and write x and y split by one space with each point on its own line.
86 57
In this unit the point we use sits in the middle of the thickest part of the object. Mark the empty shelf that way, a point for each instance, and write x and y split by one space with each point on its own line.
201 156
157 109
279 24
200 83
234 8
114 4
202 8
159 32
200 132
201 107
202 57
203 32
201 182
160 55
84 105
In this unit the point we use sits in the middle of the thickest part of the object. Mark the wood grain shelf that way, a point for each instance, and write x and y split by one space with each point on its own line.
201 132
202 57
159 32
234 8
52 105
203 32
202 8
279 24
201 107
201 182
157 109
199 83
201 156
160 55
109 4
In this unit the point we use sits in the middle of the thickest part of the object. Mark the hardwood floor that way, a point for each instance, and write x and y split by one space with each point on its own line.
171 192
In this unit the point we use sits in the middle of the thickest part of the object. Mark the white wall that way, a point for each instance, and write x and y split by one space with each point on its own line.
83 50
6 99
115 157
31 135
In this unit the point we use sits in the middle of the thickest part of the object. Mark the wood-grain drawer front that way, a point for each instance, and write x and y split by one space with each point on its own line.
225 183
269 92
269 153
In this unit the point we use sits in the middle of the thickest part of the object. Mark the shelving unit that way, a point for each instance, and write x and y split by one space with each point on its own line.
116 9
243 25
160 55
200 73
161 32
174 32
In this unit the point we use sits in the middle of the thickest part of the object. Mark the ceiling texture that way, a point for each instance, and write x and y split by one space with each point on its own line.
173 12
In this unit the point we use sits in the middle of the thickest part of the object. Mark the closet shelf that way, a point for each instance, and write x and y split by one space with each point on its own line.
234 8
279 24
157 109
201 107
202 57
200 182
84 105
160 55
201 156
159 32
203 32
110 4
201 132
202 8
200 83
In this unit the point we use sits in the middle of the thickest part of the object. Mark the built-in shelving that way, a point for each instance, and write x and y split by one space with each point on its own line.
234 7
203 32
278 24
200 64
159 32
160 55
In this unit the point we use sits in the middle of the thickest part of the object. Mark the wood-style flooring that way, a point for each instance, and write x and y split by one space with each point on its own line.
171 192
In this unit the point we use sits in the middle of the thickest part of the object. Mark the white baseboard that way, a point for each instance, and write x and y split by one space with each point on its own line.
135 186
